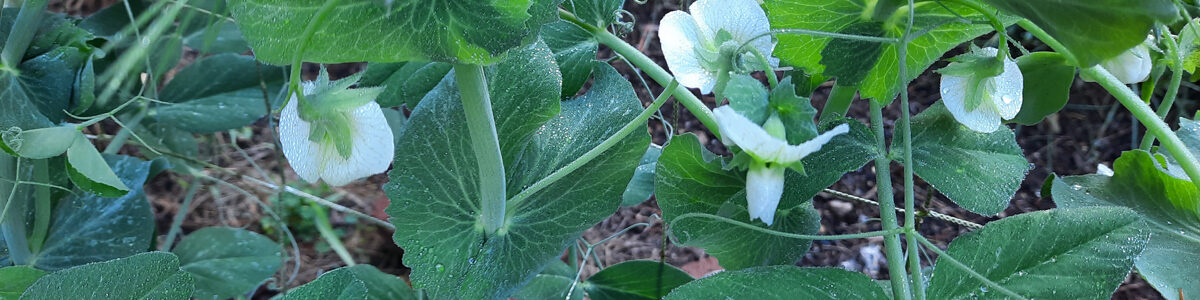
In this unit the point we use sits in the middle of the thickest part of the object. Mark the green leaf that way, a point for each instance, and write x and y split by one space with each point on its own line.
167 51
844 153
219 74
404 83
850 60
1093 30
946 30
48 80
596 12
39 143
228 262
797 113
159 136
216 113
396 120
88 170
782 282
1081 253
218 93
223 37
978 171
90 228
15 280
574 50
354 282
641 187
1170 205
1048 81
552 283
16 105
635 279
473 32
151 275
748 97
434 190
693 180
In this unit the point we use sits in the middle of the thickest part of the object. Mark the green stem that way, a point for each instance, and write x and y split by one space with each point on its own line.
41 206
123 135
1172 88
181 214
638 123
22 32
887 208
996 24
1154 126
943 256
1047 39
636 57
890 232
880 10
477 105
331 237
765 64
298 58
839 101
13 224
910 223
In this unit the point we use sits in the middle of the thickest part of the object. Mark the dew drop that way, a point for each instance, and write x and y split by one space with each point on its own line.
440 268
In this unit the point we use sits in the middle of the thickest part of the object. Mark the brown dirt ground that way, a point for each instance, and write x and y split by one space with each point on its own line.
1069 143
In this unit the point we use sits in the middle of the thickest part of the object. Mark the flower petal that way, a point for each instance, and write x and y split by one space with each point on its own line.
764 188
755 140
679 36
372 151
1010 88
1132 66
744 19
984 118
301 153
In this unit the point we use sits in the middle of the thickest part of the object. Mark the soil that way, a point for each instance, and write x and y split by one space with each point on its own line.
1093 129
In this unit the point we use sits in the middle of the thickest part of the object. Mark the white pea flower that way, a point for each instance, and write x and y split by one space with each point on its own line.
337 144
979 101
1104 170
691 43
772 155
1132 66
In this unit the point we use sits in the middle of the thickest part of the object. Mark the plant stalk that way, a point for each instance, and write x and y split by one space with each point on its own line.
177 222
910 223
14 212
839 101
887 208
1172 89
41 206
636 57
477 105
22 32
1154 126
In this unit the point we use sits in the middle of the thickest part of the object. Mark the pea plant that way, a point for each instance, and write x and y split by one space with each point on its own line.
505 132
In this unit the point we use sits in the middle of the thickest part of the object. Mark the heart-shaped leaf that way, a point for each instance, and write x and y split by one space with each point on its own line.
228 262
1081 253
943 30
355 282
635 279
1048 81
218 93
782 282
90 228
693 181
151 275
474 32
1169 204
978 171
404 83
575 51
434 187
88 170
